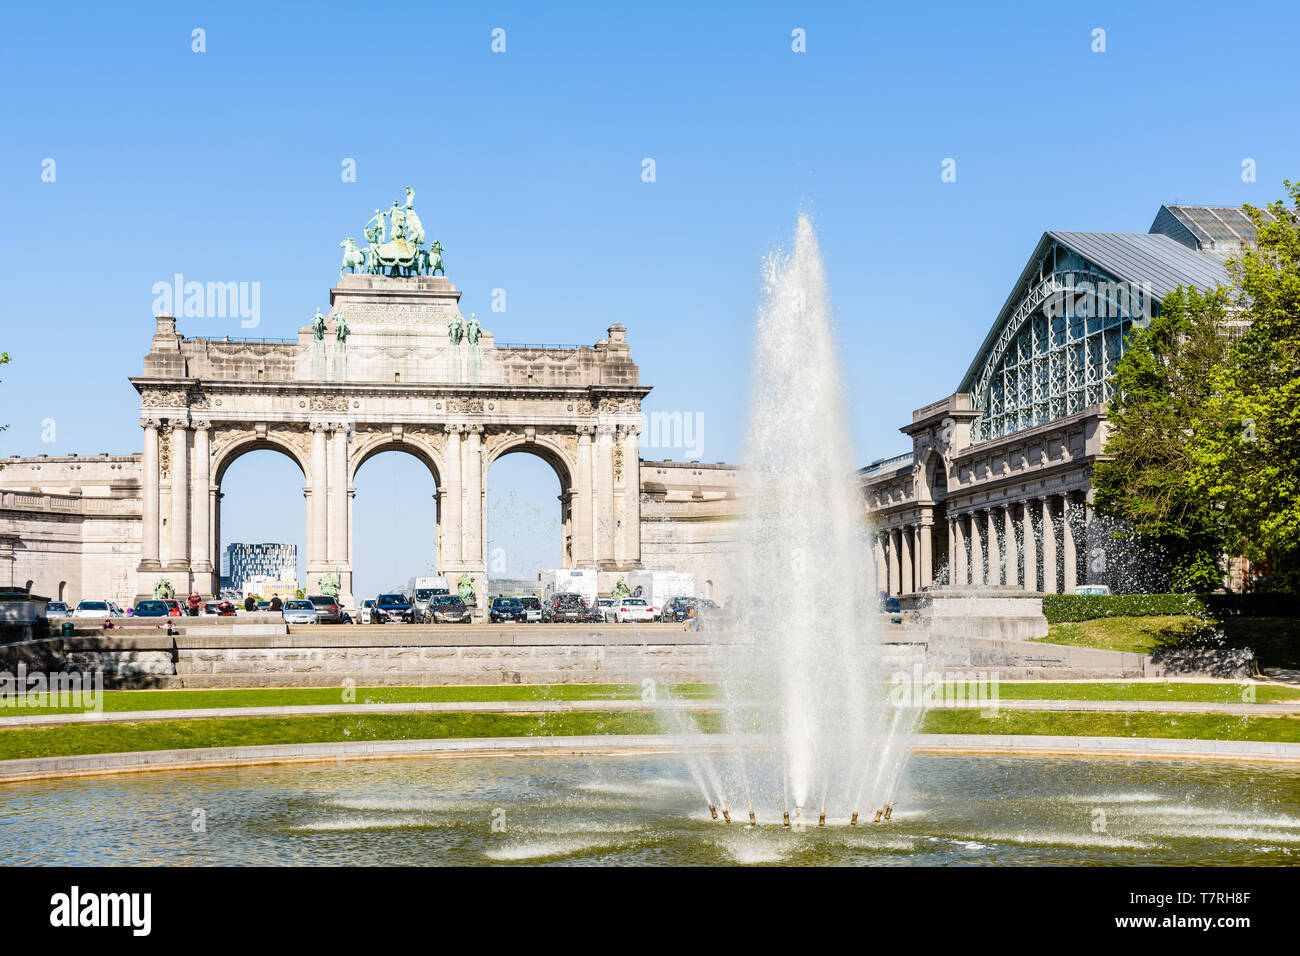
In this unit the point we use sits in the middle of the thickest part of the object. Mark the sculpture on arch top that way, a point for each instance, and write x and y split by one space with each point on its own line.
403 252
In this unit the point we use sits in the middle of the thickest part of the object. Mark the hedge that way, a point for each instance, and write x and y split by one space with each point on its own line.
1060 608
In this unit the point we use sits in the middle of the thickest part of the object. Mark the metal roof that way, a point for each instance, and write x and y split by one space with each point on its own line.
1212 229
1142 257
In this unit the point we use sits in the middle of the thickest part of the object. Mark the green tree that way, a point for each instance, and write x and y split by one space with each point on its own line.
1248 455
1162 383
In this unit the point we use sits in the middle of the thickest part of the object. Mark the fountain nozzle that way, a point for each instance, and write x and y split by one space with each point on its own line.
821 820
713 811
753 821
889 809
785 819
879 814
726 815
853 821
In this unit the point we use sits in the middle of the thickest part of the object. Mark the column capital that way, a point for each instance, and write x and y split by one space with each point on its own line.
472 429
202 426
585 431
319 426
453 429
151 421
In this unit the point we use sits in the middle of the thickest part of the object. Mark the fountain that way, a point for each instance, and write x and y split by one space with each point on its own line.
807 677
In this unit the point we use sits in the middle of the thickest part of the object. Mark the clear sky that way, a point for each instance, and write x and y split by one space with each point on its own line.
225 165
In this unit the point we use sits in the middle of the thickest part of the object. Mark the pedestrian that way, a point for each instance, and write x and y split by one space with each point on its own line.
276 603
250 604
194 603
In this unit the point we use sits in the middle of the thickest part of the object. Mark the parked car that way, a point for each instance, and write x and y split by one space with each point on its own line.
505 610
567 607
263 606
94 609
532 609
605 607
634 609
299 611
152 609
174 608
892 606
58 609
1097 589
365 612
390 608
448 609
327 609
218 609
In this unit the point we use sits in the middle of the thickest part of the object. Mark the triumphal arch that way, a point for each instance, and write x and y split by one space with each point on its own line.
394 365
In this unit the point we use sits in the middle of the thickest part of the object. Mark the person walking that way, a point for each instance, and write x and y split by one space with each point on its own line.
194 603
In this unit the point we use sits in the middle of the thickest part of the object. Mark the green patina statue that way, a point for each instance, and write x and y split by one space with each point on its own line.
621 590
472 330
465 589
398 250
353 257
329 585
455 329
163 590
318 326
341 329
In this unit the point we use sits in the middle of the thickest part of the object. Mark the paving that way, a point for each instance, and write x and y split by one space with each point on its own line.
609 744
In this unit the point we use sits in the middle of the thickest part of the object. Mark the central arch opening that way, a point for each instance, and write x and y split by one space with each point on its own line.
258 505
394 531
528 520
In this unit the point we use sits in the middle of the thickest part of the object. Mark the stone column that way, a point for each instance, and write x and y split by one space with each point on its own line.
584 545
340 546
906 559
958 559
449 553
1068 553
628 476
1049 547
1031 548
882 570
472 482
201 495
180 517
1010 549
926 549
149 522
317 513
976 551
605 518
995 552
895 570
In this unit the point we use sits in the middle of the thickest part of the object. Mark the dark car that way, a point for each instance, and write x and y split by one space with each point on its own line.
392 608
327 609
532 608
505 609
891 606
568 607
152 609
448 609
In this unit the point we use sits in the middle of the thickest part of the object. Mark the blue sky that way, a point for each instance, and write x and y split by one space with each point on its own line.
225 166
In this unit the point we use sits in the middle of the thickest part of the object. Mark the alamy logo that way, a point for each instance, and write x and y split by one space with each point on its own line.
134 910
209 300
72 689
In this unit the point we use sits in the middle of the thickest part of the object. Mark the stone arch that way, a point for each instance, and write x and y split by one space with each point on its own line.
229 449
557 457
373 445
934 477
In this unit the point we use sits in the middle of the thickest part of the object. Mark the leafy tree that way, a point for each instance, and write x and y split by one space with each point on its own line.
1163 381
1248 456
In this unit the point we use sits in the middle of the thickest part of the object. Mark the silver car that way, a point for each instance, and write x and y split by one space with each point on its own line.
299 612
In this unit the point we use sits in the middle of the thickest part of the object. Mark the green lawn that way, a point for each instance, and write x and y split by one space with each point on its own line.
251 731
184 734
1275 640
119 701
1074 724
